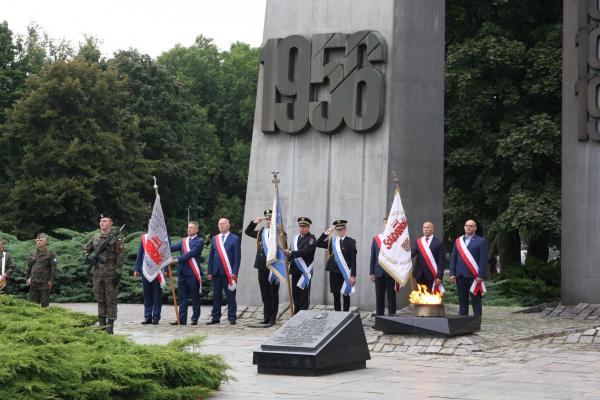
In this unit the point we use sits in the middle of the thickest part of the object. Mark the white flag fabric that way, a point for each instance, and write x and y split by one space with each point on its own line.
275 244
157 254
394 255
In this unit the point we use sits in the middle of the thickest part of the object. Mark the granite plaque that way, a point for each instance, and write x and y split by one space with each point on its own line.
315 343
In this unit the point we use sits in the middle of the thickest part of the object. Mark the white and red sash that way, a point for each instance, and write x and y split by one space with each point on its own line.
185 244
232 283
160 276
378 239
431 263
467 257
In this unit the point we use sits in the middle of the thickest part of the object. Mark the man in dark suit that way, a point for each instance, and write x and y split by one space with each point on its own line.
223 267
384 283
152 290
347 247
302 254
269 290
429 265
189 273
468 268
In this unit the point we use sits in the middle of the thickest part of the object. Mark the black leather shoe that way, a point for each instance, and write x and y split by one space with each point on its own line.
146 322
175 323
265 322
232 322
213 322
194 323
271 323
154 322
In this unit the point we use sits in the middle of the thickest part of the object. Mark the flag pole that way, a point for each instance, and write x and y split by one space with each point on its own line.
170 271
287 265
396 177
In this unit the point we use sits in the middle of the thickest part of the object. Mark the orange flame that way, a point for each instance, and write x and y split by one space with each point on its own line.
423 296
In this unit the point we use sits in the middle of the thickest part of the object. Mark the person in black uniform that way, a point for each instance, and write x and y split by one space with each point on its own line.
384 283
348 248
269 291
302 254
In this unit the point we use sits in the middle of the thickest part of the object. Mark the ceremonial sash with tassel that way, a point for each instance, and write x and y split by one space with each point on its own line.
378 239
149 250
192 260
431 263
347 288
306 270
467 257
232 283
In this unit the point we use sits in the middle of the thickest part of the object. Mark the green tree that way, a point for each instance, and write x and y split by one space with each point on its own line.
71 151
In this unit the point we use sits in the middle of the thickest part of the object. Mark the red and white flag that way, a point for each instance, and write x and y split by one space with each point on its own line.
157 254
394 254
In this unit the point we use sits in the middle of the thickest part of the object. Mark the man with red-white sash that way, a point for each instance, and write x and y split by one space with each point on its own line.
384 283
428 268
189 282
152 289
223 267
468 268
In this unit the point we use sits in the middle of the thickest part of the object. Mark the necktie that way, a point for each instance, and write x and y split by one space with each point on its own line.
427 239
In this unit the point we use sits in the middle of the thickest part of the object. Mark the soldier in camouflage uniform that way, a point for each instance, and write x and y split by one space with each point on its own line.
105 252
41 272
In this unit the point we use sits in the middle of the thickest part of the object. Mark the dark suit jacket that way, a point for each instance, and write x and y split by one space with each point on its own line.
196 246
232 248
307 245
260 262
348 247
479 249
420 269
375 268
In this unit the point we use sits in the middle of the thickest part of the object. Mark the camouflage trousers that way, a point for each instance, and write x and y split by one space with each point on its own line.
40 293
106 296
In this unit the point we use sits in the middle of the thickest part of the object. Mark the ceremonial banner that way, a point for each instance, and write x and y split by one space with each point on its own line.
394 254
275 243
157 254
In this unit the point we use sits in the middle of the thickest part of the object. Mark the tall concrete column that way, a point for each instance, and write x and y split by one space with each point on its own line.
347 174
580 224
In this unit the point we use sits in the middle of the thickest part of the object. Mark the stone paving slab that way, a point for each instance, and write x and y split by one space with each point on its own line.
528 369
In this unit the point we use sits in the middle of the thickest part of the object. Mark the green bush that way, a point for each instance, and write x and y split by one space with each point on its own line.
53 353
74 280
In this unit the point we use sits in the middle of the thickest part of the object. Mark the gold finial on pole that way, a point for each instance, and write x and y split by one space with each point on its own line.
396 178
275 178
155 185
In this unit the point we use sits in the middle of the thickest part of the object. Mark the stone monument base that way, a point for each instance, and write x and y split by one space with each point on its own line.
315 343
450 325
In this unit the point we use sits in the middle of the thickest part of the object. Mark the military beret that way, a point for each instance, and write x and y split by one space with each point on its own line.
340 224
105 214
42 236
304 221
268 213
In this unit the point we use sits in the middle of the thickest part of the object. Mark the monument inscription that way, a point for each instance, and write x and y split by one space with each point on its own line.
329 81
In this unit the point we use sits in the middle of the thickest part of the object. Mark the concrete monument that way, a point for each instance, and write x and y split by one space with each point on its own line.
348 91
580 249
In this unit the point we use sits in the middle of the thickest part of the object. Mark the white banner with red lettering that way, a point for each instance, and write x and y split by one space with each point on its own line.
394 254
157 254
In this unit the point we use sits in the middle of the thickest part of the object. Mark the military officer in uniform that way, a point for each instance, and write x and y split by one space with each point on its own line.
41 271
269 291
302 254
105 252
6 266
347 247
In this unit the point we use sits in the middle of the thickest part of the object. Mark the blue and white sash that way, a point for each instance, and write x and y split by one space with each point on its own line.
306 270
264 239
347 288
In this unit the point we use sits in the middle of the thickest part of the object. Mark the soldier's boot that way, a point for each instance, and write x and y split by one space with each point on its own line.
110 326
102 321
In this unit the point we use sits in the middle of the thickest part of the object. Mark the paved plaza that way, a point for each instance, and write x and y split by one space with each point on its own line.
514 356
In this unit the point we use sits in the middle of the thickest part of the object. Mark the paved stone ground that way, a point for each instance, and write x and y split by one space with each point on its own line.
514 356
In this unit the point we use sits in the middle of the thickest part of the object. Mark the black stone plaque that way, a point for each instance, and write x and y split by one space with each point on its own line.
450 325
315 343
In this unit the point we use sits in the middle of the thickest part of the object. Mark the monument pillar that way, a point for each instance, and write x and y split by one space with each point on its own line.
348 91
580 221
